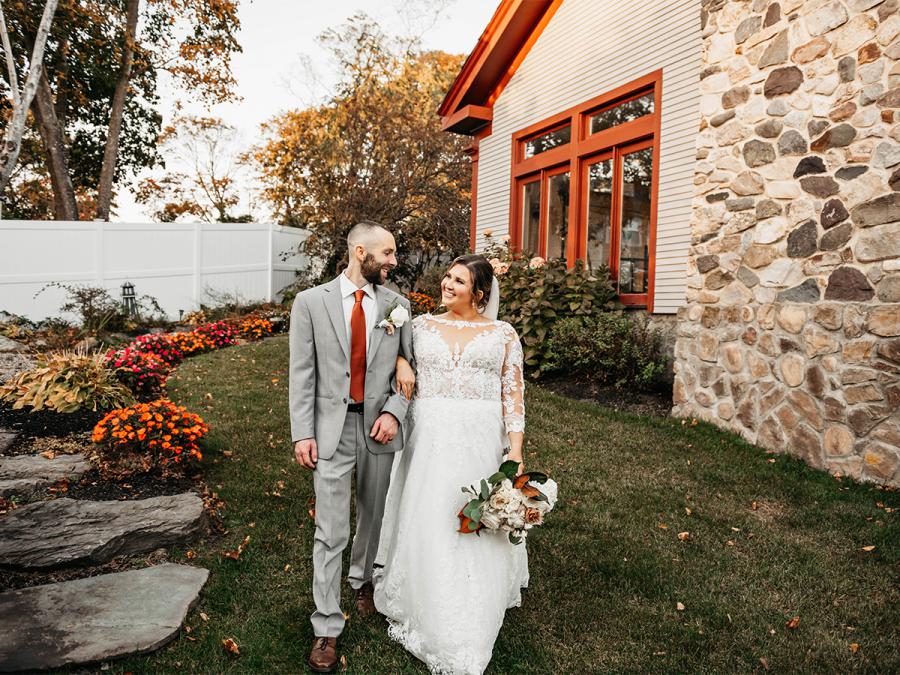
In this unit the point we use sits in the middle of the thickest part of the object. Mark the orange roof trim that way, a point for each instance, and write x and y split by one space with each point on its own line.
510 34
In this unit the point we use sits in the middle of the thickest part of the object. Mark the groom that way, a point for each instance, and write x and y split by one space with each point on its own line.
346 410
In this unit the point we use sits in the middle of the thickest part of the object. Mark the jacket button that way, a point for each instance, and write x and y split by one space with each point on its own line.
347 374
345 400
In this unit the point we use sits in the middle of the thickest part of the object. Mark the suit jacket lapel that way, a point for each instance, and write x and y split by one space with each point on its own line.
377 333
334 307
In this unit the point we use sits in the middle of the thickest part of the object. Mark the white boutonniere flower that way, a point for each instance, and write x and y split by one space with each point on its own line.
395 318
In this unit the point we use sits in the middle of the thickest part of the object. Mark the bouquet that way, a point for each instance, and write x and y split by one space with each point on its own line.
509 503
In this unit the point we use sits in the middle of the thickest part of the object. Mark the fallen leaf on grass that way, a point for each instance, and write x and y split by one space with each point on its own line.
868 549
679 606
49 454
236 555
684 536
730 542
190 555
687 510
208 395
793 623
287 568
765 664
343 663
663 526
204 616
231 647
854 647
227 453
754 506
312 513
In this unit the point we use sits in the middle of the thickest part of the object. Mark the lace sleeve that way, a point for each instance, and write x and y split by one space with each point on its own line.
513 384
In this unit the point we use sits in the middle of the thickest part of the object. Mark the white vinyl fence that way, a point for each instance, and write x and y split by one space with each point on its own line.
177 263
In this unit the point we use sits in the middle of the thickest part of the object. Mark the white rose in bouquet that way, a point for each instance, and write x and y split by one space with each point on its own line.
490 520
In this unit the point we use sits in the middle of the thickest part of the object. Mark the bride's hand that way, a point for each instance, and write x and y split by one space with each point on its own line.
406 378
521 462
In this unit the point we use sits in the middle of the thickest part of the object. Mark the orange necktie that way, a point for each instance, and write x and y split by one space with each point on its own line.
358 349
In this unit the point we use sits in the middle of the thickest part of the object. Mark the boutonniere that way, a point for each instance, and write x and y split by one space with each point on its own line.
395 318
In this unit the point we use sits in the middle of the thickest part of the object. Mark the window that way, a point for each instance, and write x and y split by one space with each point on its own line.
584 186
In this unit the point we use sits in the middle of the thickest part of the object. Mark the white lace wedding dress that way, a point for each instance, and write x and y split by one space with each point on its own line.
445 594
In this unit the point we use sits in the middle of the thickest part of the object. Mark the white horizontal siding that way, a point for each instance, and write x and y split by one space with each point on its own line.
588 48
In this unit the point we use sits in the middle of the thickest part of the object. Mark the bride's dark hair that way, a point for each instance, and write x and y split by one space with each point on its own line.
482 274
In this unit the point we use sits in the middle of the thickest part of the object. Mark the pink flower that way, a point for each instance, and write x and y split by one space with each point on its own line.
536 262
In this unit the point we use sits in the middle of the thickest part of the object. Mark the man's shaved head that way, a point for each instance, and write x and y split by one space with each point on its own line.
365 233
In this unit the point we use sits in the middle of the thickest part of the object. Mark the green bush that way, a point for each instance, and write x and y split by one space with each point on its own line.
612 349
538 294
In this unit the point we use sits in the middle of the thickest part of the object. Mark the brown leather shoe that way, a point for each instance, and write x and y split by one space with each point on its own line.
323 657
365 602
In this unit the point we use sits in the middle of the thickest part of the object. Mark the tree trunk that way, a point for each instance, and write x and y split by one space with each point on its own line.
12 139
64 205
110 153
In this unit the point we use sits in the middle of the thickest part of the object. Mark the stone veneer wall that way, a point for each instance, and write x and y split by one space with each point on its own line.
791 333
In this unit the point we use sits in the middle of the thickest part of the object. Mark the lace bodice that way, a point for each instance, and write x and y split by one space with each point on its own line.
470 360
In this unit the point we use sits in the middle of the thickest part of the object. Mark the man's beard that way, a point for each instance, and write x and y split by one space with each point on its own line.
371 270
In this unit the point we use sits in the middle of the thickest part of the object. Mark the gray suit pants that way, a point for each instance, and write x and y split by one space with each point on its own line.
331 480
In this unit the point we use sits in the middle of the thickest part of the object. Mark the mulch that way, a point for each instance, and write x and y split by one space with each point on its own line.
31 424
656 403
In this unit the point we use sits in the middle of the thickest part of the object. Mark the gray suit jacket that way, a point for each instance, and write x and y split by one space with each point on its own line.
319 380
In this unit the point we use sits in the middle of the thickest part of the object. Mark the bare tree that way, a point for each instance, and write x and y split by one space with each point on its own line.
12 141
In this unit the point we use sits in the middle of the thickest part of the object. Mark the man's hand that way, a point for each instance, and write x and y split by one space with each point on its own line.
385 428
306 452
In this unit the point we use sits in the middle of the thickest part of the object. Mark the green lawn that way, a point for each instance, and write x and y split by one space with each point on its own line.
608 569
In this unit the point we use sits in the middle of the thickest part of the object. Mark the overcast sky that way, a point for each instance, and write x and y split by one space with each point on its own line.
278 36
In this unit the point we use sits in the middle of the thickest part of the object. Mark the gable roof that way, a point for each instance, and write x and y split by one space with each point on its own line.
467 108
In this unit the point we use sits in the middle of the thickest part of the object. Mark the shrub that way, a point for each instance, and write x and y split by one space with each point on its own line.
164 345
420 303
144 373
66 382
610 348
254 328
97 309
155 436
536 294
190 343
217 334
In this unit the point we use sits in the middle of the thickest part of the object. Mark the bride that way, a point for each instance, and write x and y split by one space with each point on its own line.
444 593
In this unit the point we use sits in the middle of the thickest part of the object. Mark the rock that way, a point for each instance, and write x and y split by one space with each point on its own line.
758 256
853 34
776 52
96 618
7 345
894 180
871 93
839 114
850 172
792 143
769 129
839 440
720 119
792 318
886 155
807 444
718 279
818 342
748 183
706 263
733 357
801 241
825 17
862 419
716 197
888 288
746 277
778 108
880 463
847 69
740 204
811 50
809 165
7 436
75 532
735 97
890 350
833 213
884 320
808 291
828 316
834 239
816 126
791 369
848 283
805 404
878 243
815 381
868 53
767 208
773 15
25 475
889 99
862 393
836 137
757 153
746 28
782 81
820 186
883 209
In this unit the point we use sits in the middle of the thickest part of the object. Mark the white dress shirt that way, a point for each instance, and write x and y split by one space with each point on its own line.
348 288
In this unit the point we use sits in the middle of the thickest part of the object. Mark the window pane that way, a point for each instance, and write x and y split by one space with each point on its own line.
634 248
548 141
558 215
599 201
624 112
531 216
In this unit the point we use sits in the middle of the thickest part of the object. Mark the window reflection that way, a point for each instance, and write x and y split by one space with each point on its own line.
548 141
558 215
599 203
531 215
624 112
634 245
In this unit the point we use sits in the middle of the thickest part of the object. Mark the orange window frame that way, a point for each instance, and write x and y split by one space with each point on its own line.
575 157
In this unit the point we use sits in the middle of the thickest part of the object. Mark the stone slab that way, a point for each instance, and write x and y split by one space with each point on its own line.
7 436
26 474
75 532
97 618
